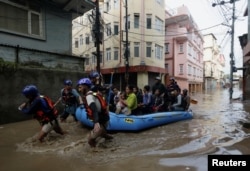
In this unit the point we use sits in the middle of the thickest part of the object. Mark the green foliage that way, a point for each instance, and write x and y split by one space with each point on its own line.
7 67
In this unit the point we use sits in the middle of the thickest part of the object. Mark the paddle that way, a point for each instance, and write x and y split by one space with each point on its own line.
193 101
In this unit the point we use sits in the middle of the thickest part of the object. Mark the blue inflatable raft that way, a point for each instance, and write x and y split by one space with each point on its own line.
123 122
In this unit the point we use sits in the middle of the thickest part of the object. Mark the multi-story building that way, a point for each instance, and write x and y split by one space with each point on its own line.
214 63
145 22
245 44
39 32
184 50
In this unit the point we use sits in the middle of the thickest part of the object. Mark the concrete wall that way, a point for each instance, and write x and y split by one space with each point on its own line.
49 82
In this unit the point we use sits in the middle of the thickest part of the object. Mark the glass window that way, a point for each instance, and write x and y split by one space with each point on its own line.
22 18
116 53
159 24
158 52
181 68
181 50
76 43
136 20
149 21
166 47
108 29
148 49
136 49
116 28
81 39
108 54
87 39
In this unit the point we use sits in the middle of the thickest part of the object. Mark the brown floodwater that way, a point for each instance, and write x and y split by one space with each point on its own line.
218 127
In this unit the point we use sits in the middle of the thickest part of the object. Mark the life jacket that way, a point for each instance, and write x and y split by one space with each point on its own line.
103 103
68 97
52 113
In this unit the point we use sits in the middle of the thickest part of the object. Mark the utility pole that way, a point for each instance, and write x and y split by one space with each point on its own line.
232 53
126 48
97 37
232 62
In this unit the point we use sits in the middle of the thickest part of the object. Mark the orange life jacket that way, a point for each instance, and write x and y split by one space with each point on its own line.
46 117
104 106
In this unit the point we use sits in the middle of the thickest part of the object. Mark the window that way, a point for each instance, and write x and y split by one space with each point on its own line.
116 28
167 68
87 39
194 71
107 6
149 21
136 49
158 24
76 43
116 53
189 69
181 48
189 50
166 47
148 49
81 39
108 29
116 4
108 54
136 20
181 69
21 17
158 52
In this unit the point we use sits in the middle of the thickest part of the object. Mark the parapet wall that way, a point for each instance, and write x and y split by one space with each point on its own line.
49 82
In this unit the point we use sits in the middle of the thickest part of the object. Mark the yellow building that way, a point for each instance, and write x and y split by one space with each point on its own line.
146 34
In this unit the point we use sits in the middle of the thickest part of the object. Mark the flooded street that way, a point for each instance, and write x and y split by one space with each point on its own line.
218 127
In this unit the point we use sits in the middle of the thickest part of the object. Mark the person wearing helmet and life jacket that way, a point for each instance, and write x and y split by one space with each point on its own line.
96 86
71 99
42 109
97 111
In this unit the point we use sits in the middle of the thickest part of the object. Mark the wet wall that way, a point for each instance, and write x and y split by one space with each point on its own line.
49 82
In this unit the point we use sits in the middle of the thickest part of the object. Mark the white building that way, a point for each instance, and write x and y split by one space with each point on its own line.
146 34
214 63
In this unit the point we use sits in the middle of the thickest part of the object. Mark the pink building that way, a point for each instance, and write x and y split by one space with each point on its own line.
183 50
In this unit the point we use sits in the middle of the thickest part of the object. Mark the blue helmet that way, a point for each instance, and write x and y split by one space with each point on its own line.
30 90
68 82
94 74
84 81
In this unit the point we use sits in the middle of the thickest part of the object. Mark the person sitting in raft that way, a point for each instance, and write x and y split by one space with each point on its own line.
121 108
147 100
182 101
131 101
159 102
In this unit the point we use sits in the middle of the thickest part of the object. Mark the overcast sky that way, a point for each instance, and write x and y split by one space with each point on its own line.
207 17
